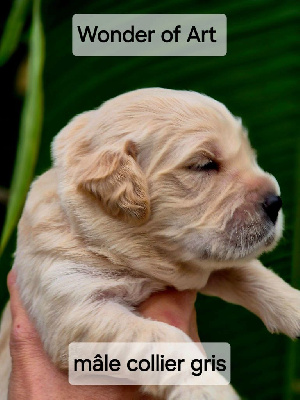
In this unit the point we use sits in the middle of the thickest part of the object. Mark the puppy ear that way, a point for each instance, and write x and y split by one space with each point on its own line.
117 181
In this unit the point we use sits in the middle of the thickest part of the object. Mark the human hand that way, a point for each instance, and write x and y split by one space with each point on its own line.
34 377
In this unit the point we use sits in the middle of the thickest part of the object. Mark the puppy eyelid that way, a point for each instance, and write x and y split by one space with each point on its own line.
204 166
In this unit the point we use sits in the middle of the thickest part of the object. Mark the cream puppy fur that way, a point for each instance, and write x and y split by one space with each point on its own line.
155 188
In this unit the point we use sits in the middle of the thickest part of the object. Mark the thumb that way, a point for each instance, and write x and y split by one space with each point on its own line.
174 308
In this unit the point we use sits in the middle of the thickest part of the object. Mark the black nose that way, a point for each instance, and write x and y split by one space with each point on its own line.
272 205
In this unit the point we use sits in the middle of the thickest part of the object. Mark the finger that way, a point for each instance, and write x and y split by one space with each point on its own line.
23 330
11 278
15 302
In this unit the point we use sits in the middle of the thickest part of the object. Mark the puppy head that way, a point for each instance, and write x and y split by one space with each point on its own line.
208 194
180 154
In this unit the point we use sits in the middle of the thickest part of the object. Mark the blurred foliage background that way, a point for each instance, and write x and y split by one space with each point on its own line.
257 80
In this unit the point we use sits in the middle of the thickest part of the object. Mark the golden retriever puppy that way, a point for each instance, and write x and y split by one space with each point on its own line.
155 188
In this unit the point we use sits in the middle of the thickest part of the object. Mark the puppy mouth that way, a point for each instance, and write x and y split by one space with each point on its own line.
271 239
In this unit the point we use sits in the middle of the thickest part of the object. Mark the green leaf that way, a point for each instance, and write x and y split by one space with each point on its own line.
13 29
30 128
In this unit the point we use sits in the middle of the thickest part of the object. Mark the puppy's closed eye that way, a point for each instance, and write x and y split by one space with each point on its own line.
209 165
